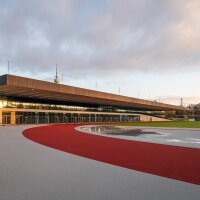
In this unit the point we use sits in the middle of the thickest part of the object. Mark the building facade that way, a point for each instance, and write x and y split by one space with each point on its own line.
29 101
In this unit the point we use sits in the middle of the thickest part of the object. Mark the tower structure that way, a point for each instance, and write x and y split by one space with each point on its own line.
57 79
181 101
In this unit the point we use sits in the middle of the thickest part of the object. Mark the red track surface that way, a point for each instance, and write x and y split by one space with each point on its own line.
173 162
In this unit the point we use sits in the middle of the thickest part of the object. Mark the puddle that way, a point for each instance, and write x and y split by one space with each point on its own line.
118 131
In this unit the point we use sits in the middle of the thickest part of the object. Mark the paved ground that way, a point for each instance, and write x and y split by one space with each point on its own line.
30 171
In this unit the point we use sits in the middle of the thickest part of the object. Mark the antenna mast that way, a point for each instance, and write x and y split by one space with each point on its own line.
8 67
96 86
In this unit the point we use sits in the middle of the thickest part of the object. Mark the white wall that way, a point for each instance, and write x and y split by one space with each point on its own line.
147 118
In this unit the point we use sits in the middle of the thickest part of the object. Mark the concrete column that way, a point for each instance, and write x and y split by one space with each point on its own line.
13 118
0 117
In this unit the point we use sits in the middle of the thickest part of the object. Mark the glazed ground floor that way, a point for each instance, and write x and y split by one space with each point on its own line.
32 116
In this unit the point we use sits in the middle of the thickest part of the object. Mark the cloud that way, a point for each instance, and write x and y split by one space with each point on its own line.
93 37
176 100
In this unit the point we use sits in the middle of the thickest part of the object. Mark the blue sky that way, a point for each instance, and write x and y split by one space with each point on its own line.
150 47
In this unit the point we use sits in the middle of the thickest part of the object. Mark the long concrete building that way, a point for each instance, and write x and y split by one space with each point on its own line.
30 101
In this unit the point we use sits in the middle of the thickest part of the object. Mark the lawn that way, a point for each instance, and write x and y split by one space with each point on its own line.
164 124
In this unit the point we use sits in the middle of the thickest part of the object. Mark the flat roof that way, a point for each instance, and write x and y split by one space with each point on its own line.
15 86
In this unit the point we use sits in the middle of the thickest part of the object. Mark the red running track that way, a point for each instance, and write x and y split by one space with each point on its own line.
180 163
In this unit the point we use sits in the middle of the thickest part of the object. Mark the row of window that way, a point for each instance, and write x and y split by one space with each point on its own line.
45 106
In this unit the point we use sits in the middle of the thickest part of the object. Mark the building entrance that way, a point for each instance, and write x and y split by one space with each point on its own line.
19 119
6 119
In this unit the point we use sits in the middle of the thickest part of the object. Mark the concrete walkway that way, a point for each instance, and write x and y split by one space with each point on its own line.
30 171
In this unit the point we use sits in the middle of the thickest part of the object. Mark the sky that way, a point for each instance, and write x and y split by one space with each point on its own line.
140 48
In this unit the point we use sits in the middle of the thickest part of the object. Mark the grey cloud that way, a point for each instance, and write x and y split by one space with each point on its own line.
100 37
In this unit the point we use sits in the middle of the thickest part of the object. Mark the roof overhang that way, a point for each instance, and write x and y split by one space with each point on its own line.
15 86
